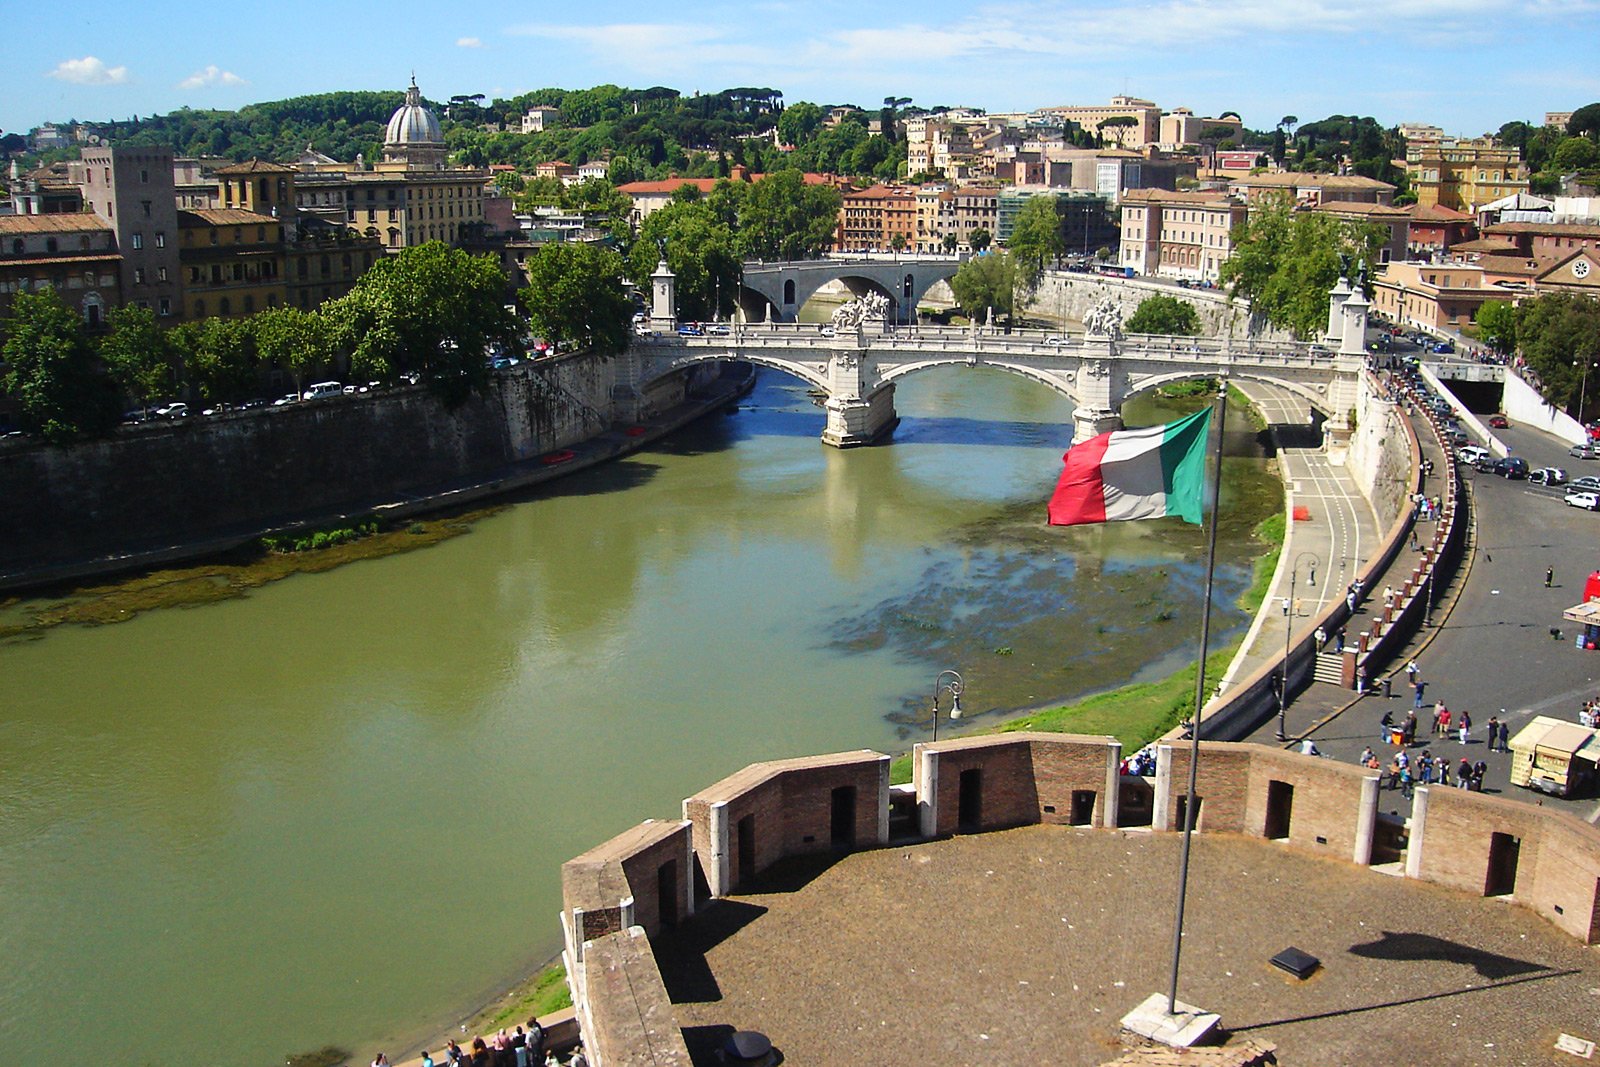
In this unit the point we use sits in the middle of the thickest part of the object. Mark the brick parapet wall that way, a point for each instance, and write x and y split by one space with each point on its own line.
616 985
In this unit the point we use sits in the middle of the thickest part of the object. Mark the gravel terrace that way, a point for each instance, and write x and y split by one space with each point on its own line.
1027 946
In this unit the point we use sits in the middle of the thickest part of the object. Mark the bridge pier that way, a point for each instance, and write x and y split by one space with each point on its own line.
1091 422
854 421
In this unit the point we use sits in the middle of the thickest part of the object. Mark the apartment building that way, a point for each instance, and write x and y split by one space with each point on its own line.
1432 295
1312 189
1178 235
76 255
877 219
1146 116
1464 174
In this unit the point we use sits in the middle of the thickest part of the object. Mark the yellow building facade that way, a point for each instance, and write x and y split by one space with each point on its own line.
1464 175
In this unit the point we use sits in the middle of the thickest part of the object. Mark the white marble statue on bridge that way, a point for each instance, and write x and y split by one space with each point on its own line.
873 307
1104 319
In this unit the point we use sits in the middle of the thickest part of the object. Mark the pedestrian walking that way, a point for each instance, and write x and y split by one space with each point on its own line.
1417 699
1549 577
1408 729
1464 774
1444 720
1505 734
1350 601
1411 672
1338 640
1321 637
1479 769
1466 726
1494 731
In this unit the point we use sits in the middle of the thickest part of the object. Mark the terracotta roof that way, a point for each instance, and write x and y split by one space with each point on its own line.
1519 265
1438 213
1346 207
705 185
1564 229
1325 181
222 216
1485 246
1165 196
43 261
79 222
255 166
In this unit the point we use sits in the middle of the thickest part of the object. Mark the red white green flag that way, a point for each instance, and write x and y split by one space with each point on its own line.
1135 474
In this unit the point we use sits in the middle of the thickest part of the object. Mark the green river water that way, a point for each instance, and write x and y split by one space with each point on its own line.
334 811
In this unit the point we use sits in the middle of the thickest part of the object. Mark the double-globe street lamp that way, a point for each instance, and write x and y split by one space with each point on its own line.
941 686
1288 631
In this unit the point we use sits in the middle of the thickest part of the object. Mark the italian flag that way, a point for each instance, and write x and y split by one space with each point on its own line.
1135 474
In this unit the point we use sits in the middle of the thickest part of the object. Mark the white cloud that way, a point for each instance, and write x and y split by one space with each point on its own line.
89 71
468 42
209 76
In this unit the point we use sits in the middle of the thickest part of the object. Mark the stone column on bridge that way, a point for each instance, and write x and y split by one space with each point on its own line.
1336 298
664 298
1353 341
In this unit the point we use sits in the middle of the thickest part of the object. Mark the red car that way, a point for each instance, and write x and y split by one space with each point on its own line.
1498 422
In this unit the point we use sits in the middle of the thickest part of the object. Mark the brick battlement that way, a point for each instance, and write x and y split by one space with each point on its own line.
625 891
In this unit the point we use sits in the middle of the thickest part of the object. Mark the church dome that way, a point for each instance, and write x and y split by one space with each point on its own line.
413 124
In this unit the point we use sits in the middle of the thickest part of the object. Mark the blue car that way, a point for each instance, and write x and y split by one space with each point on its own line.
690 330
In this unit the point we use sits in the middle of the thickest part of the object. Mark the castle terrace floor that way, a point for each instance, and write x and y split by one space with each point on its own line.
1027 946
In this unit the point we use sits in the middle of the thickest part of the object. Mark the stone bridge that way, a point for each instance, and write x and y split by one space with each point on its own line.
775 292
856 370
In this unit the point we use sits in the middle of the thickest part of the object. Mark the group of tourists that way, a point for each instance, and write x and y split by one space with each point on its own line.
1405 773
518 1048
1589 714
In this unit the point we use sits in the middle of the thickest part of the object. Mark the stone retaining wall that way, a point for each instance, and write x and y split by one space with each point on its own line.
1073 293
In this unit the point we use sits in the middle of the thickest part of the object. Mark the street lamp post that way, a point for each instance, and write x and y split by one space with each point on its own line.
1288 632
1583 386
940 687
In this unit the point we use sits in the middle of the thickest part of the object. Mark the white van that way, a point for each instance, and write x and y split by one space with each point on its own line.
323 390
1471 455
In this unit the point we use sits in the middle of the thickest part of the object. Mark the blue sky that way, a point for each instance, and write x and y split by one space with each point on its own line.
1466 65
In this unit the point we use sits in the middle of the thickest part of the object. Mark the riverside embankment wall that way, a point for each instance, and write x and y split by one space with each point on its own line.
205 479
1073 293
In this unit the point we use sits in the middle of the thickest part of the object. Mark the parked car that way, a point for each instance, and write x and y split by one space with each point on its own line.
1511 467
1589 501
690 329
1587 484
292 398
1443 347
1473 454
1584 452
1548 476
1499 422
1055 341
717 329
172 411
323 390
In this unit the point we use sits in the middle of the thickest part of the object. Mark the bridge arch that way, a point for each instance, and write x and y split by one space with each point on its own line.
1060 383
785 287
759 359
1317 398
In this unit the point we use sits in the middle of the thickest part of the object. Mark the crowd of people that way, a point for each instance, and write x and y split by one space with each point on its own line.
517 1048
1405 773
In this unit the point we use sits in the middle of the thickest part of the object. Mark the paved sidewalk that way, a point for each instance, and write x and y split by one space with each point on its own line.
1321 555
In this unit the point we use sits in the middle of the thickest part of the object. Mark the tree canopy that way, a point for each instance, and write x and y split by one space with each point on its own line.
1559 335
991 280
1285 261
575 294
52 371
1036 233
1160 313
430 309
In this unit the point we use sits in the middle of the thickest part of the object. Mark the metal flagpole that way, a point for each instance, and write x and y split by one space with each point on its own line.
1199 701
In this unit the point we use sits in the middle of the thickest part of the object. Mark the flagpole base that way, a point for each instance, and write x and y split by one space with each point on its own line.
1186 1027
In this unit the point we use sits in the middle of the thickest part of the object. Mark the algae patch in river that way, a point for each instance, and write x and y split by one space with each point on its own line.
224 577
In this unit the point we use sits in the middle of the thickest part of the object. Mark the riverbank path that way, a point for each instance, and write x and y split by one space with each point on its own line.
1338 533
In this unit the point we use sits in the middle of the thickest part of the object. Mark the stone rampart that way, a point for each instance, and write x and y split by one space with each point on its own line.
1547 861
